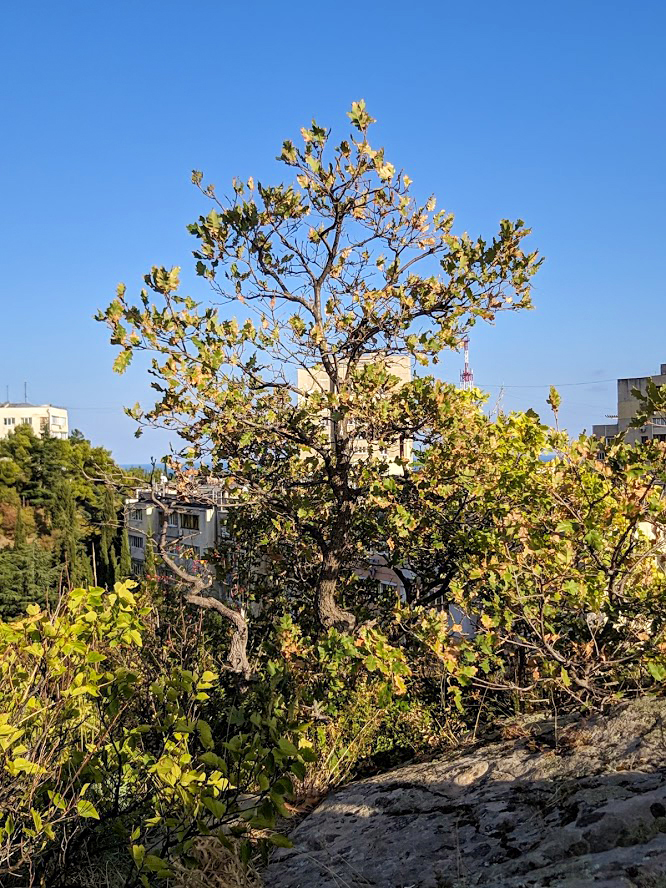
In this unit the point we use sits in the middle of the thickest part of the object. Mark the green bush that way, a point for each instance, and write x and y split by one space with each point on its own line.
101 735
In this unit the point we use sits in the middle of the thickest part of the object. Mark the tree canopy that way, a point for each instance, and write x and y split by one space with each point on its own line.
60 514
337 273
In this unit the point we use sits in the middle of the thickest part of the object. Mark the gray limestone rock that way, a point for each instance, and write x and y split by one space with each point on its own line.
583 804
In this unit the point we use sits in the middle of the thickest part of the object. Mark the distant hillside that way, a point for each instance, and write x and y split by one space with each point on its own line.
60 517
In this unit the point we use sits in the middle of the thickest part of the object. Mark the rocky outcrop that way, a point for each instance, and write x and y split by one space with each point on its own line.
563 806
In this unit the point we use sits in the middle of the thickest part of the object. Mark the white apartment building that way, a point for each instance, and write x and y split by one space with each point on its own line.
315 379
194 527
44 419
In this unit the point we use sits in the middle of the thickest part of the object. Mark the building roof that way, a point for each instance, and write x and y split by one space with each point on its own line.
26 404
170 499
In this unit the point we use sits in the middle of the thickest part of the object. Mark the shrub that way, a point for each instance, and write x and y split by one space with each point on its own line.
99 738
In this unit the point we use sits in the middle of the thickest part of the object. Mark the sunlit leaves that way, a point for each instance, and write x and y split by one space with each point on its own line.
77 753
338 268
359 116
84 808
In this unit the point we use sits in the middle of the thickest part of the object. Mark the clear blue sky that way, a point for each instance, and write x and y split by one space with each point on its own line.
552 111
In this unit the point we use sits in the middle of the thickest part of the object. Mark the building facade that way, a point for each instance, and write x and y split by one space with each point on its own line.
315 379
44 419
627 405
194 527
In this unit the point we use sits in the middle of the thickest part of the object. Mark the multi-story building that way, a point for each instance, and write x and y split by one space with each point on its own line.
627 405
315 379
44 419
195 525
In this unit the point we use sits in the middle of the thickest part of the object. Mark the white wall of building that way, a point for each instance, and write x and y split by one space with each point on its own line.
43 419
315 379
193 528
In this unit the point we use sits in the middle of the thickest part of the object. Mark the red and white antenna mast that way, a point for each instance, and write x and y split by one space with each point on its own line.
467 374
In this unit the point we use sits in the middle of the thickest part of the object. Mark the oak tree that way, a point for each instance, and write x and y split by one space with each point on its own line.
286 382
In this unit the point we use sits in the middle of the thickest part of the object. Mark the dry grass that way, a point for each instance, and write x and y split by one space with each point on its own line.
217 867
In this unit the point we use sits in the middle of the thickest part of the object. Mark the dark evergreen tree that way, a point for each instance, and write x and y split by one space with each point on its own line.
150 565
114 563
108 535
26 577
125 567
19 529
70 542
62 491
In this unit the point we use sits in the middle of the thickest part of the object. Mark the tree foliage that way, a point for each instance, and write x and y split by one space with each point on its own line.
558 563
105 733
338 273
521 582
61 512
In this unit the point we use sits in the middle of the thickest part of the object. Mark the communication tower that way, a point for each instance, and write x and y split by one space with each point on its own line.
466 374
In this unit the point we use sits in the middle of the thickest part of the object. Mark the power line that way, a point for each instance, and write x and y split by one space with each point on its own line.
543 384
481 385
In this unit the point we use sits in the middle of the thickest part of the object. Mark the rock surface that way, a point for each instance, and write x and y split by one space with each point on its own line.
577 805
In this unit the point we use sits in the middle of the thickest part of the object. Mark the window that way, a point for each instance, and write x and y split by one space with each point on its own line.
136 542
189 521
172 519
10 420
58 421
138 568
136 514
27 420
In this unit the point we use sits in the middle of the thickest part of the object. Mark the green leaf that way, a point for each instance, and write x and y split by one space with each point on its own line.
307 754
216 807
564 527
656 670
214 760
86 809
205 733
287 747
554 399
95 657
280 840
298 768
122 361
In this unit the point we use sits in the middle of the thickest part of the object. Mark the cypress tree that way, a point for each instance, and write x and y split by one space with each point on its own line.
150 565
19 530
125 557
68 523
25 576
85 570
107 537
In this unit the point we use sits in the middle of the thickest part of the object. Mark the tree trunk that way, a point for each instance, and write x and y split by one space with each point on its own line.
237 658
330 613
